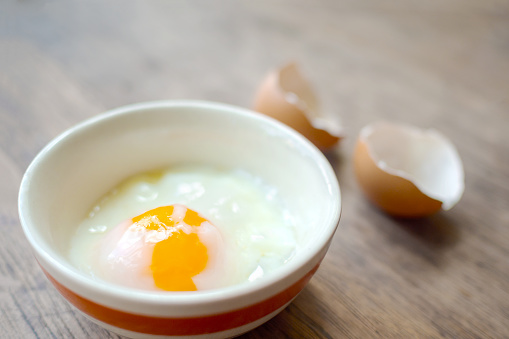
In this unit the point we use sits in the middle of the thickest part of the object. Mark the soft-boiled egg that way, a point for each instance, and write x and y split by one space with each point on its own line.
185 229
167 246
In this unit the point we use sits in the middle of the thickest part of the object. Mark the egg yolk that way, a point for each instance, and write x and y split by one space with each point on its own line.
181 255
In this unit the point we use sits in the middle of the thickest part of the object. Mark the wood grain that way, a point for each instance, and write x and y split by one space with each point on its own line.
441 64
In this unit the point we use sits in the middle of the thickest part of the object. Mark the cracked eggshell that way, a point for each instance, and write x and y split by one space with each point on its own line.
406 171
286 96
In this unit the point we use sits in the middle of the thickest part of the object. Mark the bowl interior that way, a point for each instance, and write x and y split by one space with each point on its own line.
80 166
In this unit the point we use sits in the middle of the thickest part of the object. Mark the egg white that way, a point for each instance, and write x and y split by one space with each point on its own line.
256 234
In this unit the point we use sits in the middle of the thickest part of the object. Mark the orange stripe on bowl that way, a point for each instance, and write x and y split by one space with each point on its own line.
183 326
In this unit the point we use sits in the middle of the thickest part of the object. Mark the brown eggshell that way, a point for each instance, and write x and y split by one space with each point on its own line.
285 96
393 194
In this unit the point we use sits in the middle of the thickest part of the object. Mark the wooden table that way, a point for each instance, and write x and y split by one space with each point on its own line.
442 64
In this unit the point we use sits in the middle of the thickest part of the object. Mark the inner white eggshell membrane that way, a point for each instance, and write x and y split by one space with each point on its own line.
298 92
424 157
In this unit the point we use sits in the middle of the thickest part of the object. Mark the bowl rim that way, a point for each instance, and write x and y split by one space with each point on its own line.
191 298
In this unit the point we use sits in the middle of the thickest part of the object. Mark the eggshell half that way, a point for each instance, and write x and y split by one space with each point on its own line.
286 96
406 171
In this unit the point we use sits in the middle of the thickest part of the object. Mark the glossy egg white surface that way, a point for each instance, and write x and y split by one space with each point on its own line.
250 233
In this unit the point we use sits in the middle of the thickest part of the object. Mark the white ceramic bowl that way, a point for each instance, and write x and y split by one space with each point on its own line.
83 163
